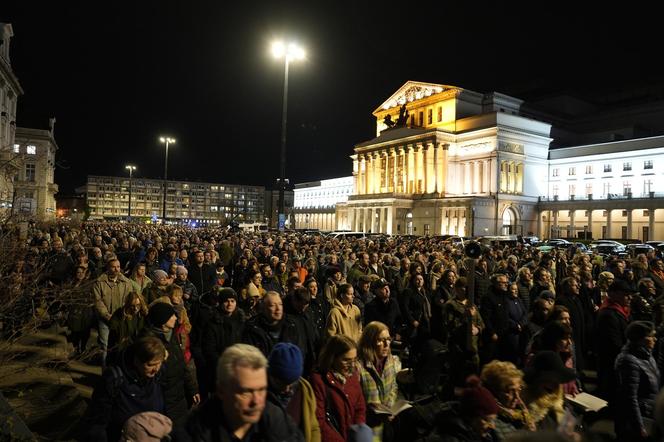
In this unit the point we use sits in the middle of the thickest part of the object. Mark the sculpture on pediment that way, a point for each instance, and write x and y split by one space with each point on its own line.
403 116
388 121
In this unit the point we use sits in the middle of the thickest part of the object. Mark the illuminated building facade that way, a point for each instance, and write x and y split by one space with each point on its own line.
189 202
315 203
464 163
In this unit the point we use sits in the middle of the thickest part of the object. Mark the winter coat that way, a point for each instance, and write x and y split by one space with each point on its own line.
123 330
178 381
203 277
344 321
220 333
305 400
207 424
344 401
260 334
120 394
610 338
638 385
109 295
389 313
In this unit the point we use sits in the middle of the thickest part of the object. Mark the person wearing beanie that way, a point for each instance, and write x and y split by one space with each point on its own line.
638 382
157 289
148 426
189 291
290 391
178 380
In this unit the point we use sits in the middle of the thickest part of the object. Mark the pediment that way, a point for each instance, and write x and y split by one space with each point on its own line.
411 91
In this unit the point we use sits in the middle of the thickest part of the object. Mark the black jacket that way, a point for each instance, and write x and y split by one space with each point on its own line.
177 380
207 424
203 277
220 333
388 313
260 334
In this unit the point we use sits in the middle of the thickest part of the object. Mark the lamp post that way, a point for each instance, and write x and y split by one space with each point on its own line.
131 170
289 53
166 141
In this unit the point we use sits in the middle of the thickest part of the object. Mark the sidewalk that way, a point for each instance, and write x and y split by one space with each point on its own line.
48 391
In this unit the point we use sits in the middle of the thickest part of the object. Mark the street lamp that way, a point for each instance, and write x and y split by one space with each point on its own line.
131 170
166 141
290 52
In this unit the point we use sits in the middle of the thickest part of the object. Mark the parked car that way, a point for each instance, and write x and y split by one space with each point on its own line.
635 249
347 235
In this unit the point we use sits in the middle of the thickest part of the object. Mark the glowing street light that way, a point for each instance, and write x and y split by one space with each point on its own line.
131 170
289 52
166 141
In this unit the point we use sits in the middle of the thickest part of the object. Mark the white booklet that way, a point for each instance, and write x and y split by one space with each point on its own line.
399 406
587 401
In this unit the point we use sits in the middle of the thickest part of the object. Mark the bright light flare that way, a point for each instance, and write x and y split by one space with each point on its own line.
290 52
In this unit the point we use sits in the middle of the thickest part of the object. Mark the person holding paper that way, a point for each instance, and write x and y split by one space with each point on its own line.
378 375
638 382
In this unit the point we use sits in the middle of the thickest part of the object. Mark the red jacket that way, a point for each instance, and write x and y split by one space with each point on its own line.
346 402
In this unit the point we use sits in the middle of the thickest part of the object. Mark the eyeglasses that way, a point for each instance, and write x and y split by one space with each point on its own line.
346 361
384 341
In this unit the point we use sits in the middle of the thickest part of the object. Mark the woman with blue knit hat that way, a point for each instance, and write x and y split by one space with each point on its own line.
638 382
290 391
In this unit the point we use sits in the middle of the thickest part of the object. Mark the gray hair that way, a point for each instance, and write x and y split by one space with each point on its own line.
238 355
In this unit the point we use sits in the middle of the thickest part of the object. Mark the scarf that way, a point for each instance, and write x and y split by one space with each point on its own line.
609 304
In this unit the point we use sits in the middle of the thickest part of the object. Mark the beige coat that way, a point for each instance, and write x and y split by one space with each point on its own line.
344 320
109 295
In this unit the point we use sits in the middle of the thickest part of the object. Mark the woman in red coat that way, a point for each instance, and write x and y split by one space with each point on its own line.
339 399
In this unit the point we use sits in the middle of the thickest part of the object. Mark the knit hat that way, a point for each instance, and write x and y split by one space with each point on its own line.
477 400
159 274
638 330
363 279
227 293
285 362
146 427
160 313
547 366
548 295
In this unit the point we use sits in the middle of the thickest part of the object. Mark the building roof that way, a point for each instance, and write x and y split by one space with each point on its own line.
395 133
607 148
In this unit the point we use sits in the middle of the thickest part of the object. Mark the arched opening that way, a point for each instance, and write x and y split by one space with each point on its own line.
509 222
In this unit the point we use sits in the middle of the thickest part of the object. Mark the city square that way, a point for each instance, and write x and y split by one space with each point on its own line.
225 224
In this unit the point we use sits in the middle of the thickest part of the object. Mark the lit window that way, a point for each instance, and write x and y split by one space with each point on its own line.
17 148
31 150
647 164
607 168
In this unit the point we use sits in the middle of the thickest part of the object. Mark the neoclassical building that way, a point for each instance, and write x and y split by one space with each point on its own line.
315 203
464 163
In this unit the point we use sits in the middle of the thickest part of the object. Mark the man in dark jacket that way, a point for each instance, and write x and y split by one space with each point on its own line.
270 326
612 321
202 275
384 309
569 296
177 381
493 309
296 306
130 387
239 410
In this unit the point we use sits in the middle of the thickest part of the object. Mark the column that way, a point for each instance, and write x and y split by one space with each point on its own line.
395 168
571 232
467 178
430 181
590 223
608 224
477 186
404 170
351 219
442 170
380 228
539 225
629 223
390 220
417 168
651 224
436 157
555 225
356 171
410 157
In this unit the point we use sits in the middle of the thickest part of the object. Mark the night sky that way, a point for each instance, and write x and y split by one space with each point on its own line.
116 75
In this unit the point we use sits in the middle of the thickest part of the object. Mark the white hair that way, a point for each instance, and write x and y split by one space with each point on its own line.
238 355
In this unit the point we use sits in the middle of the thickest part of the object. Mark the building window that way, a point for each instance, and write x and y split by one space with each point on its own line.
555 172
17 148
607 188
589 170
554 190
589 189
421 118
572 171
30 172
30 149
429 116
440 114
627 167
624 213
647 164
646 212
627 188
647 186
607 168
572 191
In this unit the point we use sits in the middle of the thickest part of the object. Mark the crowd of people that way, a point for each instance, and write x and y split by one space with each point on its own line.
210 334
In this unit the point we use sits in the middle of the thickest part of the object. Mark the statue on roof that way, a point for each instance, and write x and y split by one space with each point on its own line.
403 116
388 121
